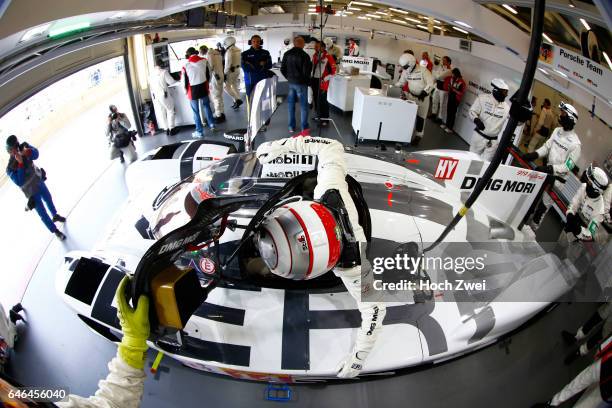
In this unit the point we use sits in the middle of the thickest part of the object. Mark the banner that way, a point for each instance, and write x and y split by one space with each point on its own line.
365 64
596 78
507 196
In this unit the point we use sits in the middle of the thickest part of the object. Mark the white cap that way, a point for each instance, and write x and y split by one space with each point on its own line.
597 177
328 42
500 84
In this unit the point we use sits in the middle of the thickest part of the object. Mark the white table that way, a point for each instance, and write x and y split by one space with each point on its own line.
373 110
341 91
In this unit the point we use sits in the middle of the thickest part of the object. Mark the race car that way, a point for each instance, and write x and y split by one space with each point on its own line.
256 325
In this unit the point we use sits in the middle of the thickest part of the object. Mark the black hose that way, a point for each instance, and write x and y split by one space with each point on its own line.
517 105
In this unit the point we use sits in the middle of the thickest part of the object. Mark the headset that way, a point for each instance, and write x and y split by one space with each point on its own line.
261 40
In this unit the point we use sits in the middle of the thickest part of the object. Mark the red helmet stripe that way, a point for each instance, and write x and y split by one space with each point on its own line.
310 254
289 245
329 223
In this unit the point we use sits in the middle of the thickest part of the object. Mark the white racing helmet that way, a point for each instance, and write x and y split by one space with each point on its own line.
328 42
500 89
300 240
499 84
597 178
407 61
229 41
570 110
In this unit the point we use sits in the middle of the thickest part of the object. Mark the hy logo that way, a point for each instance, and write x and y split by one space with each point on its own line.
446 168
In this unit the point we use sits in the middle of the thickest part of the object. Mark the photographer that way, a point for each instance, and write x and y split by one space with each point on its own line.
119 136
31 179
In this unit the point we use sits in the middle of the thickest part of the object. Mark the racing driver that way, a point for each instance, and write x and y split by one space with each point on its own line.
305 239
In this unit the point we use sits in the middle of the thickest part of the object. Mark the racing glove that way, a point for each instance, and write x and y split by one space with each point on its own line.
268 151
479 124
545 169
529 156
423 95
135 327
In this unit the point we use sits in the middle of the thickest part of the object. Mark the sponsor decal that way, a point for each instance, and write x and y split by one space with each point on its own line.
511 186
301 239
207 266
171 246
306 159
446 168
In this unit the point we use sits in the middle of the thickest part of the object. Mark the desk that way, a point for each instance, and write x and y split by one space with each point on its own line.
374 110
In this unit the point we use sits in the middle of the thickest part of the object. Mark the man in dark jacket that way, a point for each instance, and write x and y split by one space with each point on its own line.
256 63
31 180
296 67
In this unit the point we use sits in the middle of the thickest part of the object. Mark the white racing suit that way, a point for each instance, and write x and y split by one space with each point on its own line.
493 115
440 96
160 80
419 80
332 175
215 61
562 151
232 72
122 388
590 212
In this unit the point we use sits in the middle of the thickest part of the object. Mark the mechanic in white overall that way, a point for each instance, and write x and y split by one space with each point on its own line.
561 152
586 211
489 112
215 62
124 385
420 84
320 239
160 81
232 70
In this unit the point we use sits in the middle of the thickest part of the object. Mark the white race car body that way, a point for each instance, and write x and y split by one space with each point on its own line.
249 329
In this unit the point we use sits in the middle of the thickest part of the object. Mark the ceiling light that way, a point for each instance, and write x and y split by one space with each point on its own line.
560 73
373 16
547 38
461 30
382 12
397 20
363 18
398 10
607 59
423 27
347 12
510 8
585 24
414 20
35 32
571 4
328 1
361 3
438 27
461 23
354 8
436 21
543 70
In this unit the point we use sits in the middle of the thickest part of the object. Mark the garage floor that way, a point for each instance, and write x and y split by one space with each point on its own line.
56 349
